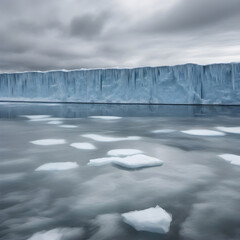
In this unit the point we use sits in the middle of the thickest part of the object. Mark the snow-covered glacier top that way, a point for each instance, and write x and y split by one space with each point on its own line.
182 84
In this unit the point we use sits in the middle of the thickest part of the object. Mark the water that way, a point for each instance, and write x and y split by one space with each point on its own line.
195 185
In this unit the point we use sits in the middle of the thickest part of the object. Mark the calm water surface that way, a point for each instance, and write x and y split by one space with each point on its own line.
195 185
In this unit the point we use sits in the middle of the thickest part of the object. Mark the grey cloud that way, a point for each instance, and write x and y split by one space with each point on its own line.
13 47
41 35
88 25
36 27
192 15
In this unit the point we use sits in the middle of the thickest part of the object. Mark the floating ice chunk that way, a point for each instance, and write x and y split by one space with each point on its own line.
101 138
138 161
68 126
203 132
58 234
45 119
55 122
106 117
132 162
164 131
155 220
229 129
48 104
84 146
102 161
32 117
233 159
123 152
57 166
49 142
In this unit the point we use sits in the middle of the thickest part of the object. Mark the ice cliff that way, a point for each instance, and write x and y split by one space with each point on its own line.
182 84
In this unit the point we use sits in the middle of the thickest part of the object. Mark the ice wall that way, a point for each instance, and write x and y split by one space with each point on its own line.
183 84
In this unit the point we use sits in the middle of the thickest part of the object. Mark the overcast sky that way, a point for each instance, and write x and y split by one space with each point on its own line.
70 34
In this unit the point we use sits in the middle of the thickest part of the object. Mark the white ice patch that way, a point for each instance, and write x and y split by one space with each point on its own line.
68 126
58 166
132 162
123 152
203 132
164 131
106 117
49 142
101 138
102 161
45 119
57 234
36 117
138 161
155 220
56 122
84 146
233 159
229 129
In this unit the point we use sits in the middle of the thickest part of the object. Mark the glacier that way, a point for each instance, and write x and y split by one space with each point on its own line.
181 84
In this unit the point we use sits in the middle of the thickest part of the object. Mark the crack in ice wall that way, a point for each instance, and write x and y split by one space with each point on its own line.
182 84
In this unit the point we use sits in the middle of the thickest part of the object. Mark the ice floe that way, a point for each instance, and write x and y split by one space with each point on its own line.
102 161
106 117
83 145
229 129
123 152
46 119
101 138
68 126
49 142
203 132
155 220
138 161
36 117
55 122
58 234
57 166
233 159
163 131
131 162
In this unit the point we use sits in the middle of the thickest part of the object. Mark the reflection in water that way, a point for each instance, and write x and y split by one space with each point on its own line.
197 187
12 110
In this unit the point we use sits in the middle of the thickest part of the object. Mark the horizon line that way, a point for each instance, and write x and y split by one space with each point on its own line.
117 68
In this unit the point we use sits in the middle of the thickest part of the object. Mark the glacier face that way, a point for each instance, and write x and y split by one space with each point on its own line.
182 84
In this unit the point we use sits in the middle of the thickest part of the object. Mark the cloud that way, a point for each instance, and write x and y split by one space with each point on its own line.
88 25
71 34
194 15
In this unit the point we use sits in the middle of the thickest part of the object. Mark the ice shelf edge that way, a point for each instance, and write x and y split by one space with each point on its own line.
181 84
